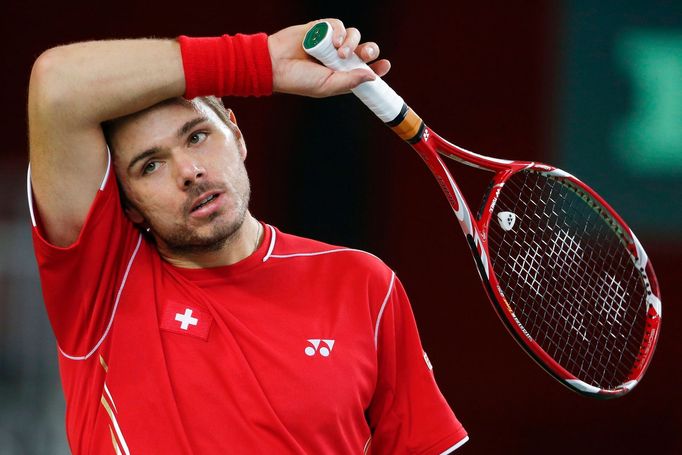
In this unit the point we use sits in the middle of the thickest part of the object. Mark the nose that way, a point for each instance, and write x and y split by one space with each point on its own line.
190 171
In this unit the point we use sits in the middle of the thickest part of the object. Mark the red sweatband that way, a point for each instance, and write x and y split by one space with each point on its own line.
227 65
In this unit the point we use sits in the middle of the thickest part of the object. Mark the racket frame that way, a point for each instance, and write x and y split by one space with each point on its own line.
431 148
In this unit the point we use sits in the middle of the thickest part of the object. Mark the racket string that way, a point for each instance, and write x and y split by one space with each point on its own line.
569 278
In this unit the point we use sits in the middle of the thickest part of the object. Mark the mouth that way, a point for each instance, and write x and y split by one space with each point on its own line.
205 203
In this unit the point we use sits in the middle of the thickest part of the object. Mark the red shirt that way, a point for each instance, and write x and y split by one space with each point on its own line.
301 347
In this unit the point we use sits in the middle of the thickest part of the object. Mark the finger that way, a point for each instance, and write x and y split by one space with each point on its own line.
350 43
367 51
338 31
381 67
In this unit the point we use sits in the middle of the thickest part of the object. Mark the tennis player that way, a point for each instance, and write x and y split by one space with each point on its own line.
184 325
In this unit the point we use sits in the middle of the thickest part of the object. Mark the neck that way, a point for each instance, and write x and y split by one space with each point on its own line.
239 246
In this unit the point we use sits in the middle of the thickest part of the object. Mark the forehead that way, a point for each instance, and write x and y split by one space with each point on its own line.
154 126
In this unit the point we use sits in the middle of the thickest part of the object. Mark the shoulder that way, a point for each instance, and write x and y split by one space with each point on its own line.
295 250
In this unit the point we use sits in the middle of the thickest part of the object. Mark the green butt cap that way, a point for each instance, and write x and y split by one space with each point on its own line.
315 35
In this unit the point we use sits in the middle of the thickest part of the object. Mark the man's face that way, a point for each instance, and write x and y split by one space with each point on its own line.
182 170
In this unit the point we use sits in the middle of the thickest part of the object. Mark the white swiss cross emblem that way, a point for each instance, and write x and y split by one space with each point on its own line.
186 319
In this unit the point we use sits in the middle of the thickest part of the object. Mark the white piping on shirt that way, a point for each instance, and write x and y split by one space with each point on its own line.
271 248
113 313
114 441
106 174
29 193
106 390
318 253
272 243
456 446
369 441
381 311
112 416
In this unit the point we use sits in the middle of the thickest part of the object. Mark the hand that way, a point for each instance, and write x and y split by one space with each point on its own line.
296 72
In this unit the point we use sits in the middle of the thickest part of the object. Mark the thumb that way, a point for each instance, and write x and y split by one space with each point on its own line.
343 81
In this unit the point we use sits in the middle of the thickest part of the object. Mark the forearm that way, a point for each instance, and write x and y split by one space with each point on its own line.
90 82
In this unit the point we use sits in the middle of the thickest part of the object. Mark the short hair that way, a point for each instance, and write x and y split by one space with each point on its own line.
217 106
213 102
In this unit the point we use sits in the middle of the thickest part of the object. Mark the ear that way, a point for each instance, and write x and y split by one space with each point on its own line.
238 134
131 212
242 147
133 215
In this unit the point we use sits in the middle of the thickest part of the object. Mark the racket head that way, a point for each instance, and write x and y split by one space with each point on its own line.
566 275
569 279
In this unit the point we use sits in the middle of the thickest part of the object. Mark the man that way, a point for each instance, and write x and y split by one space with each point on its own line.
184 325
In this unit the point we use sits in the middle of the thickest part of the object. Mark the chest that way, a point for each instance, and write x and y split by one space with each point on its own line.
302 349
283 355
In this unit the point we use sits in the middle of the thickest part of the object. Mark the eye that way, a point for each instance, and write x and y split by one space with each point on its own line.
197 137
150 167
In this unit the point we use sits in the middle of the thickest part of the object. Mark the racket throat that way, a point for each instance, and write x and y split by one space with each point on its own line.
408 125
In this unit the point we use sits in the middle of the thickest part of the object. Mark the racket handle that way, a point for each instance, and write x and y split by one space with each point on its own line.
376 94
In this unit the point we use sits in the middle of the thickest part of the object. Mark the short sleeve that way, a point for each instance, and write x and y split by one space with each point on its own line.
80 282
408 414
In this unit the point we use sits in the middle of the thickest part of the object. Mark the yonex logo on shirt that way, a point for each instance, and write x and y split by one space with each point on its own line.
186 319
324 347
428 362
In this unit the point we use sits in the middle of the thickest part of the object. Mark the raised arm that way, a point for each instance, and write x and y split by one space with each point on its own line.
74 88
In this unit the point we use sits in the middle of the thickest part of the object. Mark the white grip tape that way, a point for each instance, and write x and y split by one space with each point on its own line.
376 94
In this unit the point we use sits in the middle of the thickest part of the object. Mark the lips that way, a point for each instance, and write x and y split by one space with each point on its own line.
204 200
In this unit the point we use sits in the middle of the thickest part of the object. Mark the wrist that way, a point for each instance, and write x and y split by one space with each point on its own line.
237 65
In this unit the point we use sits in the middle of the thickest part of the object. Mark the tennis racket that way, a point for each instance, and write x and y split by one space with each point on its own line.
566 275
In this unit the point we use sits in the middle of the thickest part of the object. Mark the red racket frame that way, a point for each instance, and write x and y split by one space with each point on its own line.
430 146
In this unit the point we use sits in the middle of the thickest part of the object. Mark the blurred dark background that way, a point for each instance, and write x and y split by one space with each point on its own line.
593 87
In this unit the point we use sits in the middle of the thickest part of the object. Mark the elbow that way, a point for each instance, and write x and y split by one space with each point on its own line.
49 83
